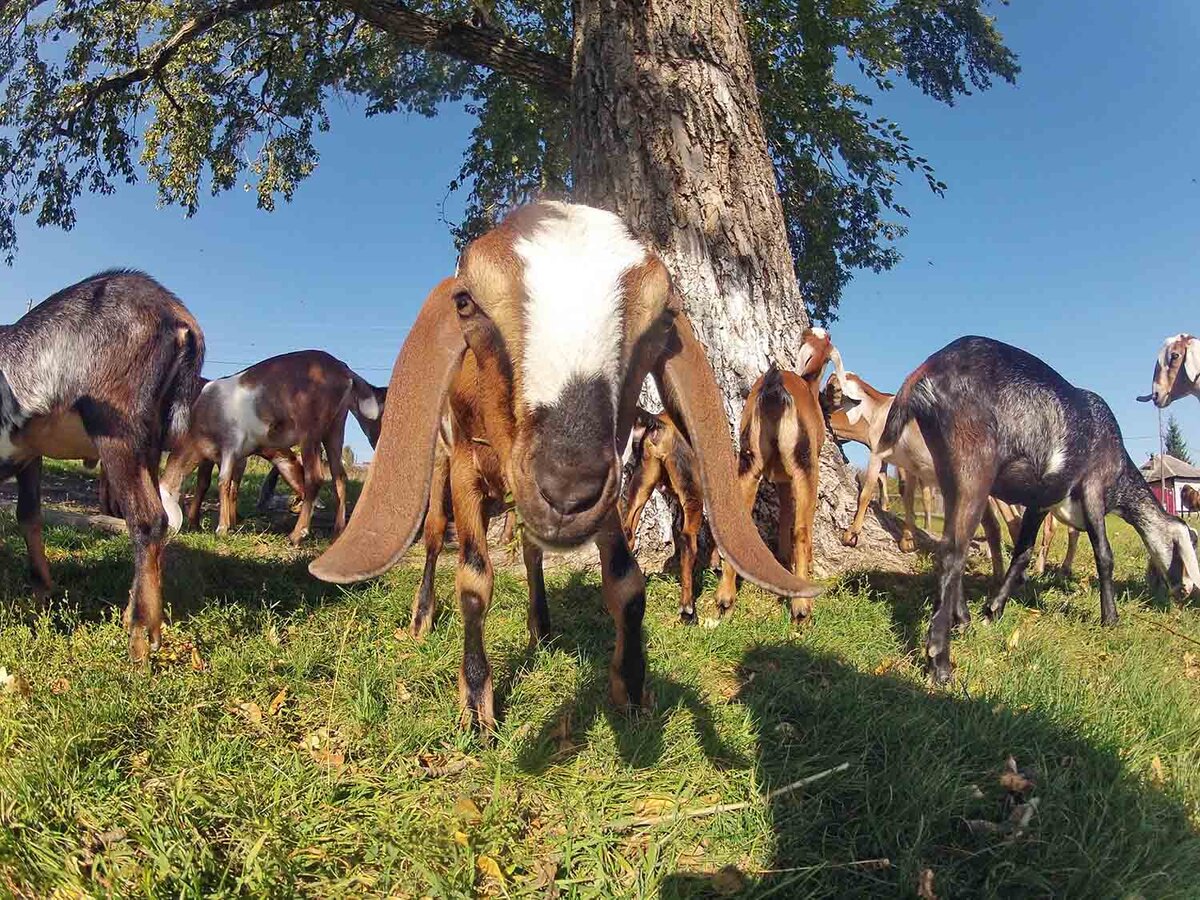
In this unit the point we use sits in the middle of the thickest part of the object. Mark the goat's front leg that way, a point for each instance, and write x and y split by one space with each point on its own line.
995 542
965 506
624 589
433 537
1043 553
538 618
29 516
310 456
642 482
333 441
1093 514
1022 550
804 491
203 482
229 486
473 584
751 470
870 479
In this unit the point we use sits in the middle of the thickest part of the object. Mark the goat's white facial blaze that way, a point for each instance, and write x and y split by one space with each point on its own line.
573 267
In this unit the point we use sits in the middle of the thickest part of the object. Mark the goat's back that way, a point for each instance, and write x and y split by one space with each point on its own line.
117 340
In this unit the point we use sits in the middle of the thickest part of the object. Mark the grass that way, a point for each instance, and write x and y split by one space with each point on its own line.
291 740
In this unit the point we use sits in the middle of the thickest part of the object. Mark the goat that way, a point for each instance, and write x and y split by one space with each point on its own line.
1179 354
1190 498
296 398
665 459
542 341
1012 514
106 369
781 435
1000 421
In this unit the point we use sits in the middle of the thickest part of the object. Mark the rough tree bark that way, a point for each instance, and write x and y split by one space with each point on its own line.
668 134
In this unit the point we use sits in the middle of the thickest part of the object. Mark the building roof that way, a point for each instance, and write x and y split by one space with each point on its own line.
1171 468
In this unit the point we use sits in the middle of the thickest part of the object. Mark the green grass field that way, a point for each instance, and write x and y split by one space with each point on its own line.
291 740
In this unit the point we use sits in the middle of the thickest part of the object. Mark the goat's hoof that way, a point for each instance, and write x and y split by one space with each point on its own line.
139 645
724 607
687 615
1108 621
849 538
800 609
222 530
940 669
296 538
42 592
990 613
908 544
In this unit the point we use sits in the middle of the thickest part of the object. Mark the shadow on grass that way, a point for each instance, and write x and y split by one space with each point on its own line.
921 767
582 627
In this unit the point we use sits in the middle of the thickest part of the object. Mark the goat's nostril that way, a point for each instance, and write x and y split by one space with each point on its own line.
570 493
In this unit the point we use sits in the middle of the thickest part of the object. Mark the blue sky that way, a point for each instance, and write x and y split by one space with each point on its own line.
1070 228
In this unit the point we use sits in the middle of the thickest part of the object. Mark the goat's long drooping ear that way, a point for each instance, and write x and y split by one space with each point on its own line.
689 390
393 500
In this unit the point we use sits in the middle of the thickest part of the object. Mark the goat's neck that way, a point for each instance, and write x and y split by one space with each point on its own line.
1136 503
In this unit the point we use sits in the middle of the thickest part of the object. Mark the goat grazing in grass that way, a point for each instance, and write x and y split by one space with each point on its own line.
296 398
1000 421
782 432
664 458
541 342
1176 371
106 369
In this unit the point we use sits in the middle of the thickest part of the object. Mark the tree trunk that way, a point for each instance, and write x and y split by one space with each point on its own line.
668 134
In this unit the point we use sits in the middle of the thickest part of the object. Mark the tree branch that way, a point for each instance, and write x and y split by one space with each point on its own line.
484 47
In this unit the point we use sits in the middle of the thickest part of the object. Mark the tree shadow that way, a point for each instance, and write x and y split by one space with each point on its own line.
582 627
922 766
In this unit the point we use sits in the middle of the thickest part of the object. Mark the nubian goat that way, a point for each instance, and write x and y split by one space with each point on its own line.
106 369
296 398
665 459
1176 371
542 341
782 432
1000 421
1190 498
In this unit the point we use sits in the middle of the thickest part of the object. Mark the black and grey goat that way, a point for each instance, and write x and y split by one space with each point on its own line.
1000 421
106 369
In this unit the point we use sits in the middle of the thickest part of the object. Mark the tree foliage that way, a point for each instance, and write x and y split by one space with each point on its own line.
201 96
1174 443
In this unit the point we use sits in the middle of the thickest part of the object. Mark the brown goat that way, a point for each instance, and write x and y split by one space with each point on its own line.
1190 498
782 432
296 398
542 342
106 369
665 459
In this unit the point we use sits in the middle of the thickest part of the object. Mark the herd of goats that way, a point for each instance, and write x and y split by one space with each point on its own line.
518 387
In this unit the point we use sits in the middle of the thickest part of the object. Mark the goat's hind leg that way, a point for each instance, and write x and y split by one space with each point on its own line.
135 485
1031 522
29 517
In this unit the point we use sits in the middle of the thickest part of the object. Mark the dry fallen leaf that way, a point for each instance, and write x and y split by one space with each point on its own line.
490 868
925 885
885 665
198 664
438 765
653 806
1012 779
60 686
277 703
460 838
562 733
545 874
1158 773
403 695
248 710
322 747
1013 639
1191 665
728 881
465 809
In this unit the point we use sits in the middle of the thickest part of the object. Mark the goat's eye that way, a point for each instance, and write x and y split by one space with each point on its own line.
464 304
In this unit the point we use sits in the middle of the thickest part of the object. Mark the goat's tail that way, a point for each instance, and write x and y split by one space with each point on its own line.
773 395
184 385
910 402
367 399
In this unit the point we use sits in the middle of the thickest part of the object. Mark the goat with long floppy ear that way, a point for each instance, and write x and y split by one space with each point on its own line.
564 314
1176 371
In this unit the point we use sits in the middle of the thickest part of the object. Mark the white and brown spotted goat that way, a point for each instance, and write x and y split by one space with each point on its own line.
295 398
542 341
782 432
1176 371
106 369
